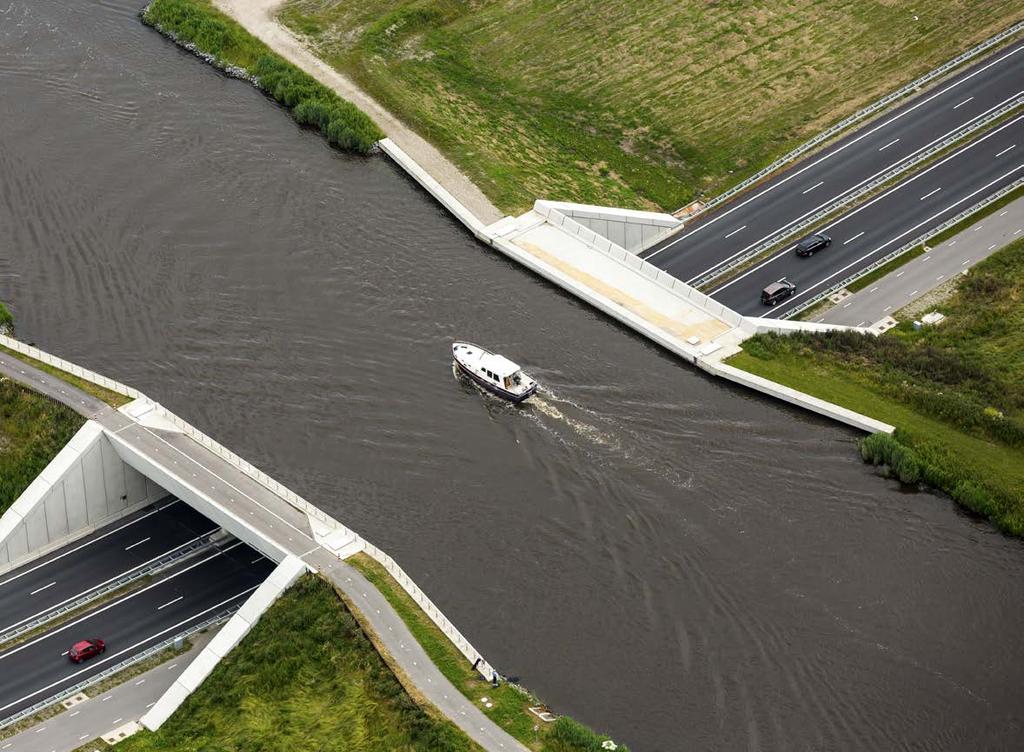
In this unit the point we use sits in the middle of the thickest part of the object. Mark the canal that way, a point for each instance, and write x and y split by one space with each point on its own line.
672 560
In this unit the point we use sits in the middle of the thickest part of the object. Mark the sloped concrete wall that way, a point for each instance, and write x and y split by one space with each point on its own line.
85 486
628 228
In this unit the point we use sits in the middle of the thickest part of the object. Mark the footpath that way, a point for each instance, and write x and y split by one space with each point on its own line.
257 16
276 520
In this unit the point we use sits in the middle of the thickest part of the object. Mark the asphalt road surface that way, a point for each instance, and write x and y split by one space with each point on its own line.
39 668
886 222
80 567
772 207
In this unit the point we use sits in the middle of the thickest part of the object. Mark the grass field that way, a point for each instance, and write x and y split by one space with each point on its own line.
305 678
954 391
511 705
639 104
33 429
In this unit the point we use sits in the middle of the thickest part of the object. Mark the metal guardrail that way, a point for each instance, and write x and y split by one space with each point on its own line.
116 668
856 117
872 185
110 586
953 221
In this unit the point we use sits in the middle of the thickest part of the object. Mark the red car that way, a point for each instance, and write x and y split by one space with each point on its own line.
85 649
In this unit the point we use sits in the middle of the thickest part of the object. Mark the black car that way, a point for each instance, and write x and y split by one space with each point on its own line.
776 291
812 244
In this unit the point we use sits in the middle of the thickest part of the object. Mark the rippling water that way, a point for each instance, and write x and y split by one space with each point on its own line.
678 562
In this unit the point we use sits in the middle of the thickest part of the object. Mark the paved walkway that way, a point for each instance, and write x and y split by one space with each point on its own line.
106 711
258 17
276 519
916 278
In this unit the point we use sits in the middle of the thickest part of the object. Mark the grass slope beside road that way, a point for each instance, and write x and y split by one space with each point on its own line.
954 391
510 705
227 45
33 429
305 678
620 102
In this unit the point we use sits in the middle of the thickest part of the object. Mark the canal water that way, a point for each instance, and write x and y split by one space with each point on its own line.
680 563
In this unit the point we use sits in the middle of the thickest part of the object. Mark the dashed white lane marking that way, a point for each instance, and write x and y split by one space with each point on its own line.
137 543
873 289
992 246
818 184
64 653
1001 154
1016 232
901 274
939 278
930 193
862 323
912 294
850 240
1004 213
106 698
170 603
964 262
118 720
41 730
848 304
83 737
44 587
951 242
140 682
171 666
72 715
978 227
884 310
735 231
151 704
894 141
927 257
955 107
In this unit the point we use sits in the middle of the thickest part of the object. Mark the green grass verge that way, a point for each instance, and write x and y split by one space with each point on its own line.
511 705
954 391
629 103
114 399
33 429
305 678
207 30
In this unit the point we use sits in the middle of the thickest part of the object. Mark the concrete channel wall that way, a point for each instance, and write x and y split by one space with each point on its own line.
85 486
237 627
630 229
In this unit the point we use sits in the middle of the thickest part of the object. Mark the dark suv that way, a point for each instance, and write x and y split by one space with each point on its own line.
85 649
812 244
776 291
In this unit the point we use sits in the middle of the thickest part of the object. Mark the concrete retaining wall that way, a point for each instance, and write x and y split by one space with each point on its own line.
85 486
238 626
630 229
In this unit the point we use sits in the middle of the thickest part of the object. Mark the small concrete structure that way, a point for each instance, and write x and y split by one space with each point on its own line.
282 578
86 486
633 230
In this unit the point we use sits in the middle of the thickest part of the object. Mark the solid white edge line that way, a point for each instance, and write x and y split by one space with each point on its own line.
94 664
863 135
845 192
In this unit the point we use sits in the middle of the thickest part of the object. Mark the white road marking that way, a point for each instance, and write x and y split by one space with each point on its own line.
901 274
848 304
1004 152
927 257
83 737
130 648
818 184
735 231
992 246
44 587
930 193
785 180
87 543
171 666
72 715
886 308
118 720
1016 232
1004 213
951 242
939 278
139 543
894 141
169 603
964 262
978 227
64 653
873 289
862 323
963 103
912 294
850 240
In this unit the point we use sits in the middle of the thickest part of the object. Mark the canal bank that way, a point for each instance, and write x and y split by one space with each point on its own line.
724 565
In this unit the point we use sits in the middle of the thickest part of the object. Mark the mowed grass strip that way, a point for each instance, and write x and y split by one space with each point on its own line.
33 429
639 104
305 678
954 391
510 705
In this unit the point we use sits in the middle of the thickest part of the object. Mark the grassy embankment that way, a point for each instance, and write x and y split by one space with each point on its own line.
639 104
305 678
954 391
208 31
510 709
33 429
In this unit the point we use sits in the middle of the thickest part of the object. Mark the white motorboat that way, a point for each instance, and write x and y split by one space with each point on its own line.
495 373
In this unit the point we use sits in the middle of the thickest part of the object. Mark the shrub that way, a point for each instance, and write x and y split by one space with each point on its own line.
6 319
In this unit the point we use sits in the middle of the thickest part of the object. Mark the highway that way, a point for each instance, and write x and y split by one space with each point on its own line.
782 201
40 586
887 221
197 590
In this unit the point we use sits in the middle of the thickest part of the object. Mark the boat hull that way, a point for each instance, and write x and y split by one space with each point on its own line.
494 388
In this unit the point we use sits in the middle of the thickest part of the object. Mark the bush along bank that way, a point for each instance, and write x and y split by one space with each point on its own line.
6 321
200 28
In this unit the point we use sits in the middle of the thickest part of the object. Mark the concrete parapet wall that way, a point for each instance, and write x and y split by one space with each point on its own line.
440 620
66 365
85 486
232 633
630 229
751 325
